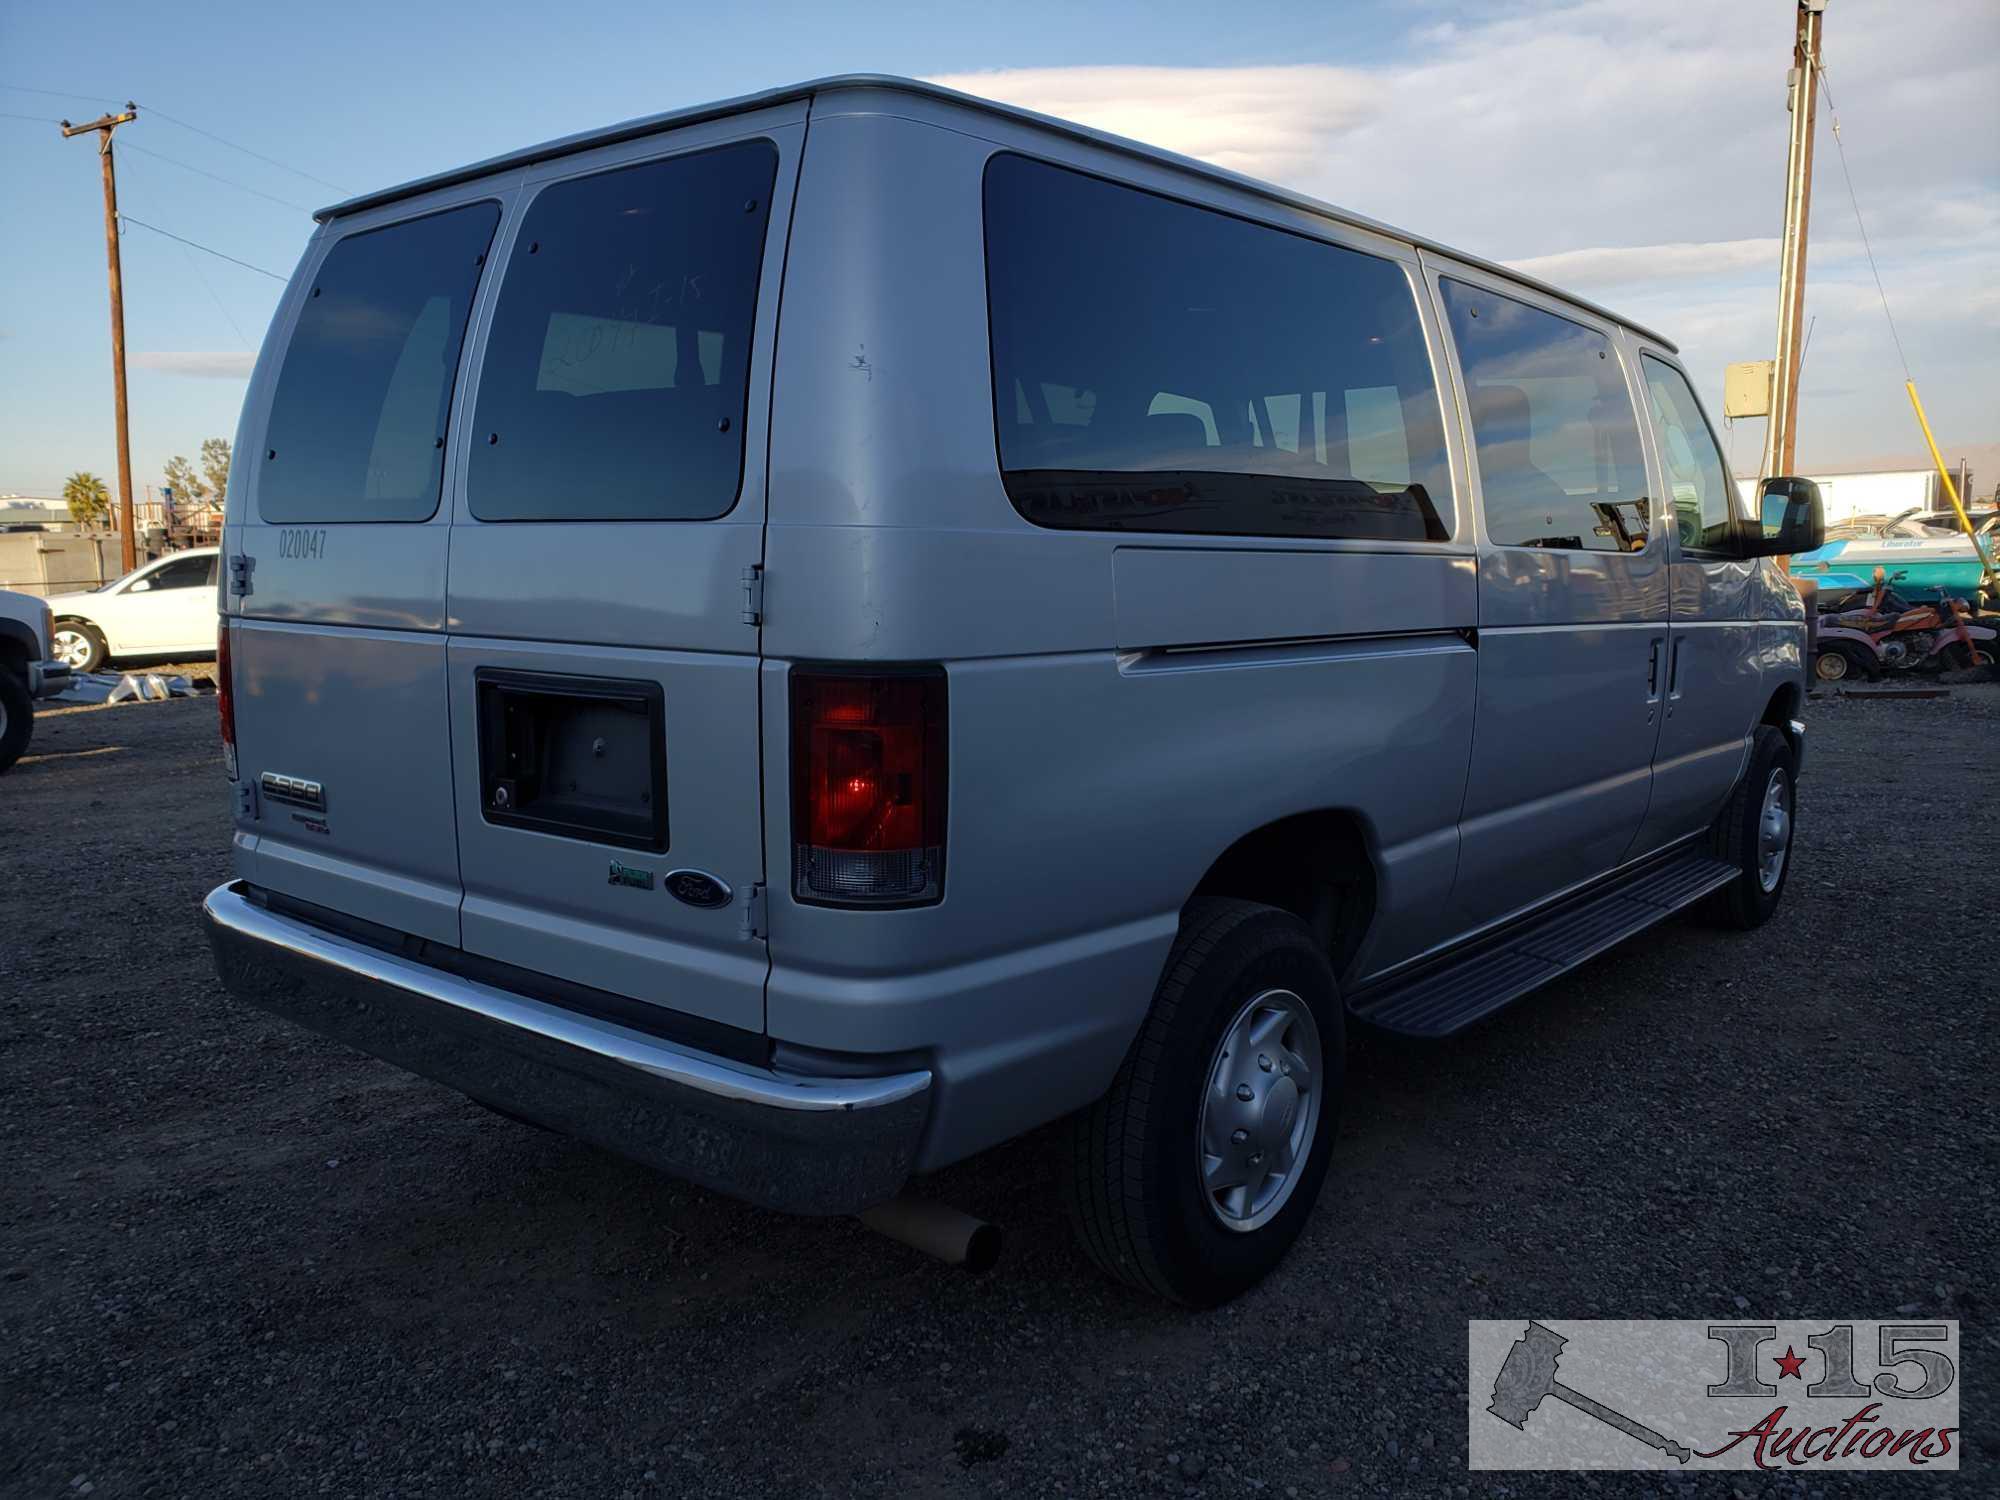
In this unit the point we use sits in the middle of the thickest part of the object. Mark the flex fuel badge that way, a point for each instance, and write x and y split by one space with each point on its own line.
639 880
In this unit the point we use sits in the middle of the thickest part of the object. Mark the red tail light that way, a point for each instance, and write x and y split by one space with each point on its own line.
225 698
868 787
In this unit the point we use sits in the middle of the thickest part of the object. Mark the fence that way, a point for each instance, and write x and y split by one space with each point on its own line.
53 562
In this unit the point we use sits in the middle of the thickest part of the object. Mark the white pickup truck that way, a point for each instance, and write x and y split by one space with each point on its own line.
26 671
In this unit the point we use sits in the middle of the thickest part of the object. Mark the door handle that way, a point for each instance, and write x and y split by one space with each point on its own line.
1653 673
1674 673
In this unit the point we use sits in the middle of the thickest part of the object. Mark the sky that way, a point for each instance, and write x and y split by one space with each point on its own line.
1632 152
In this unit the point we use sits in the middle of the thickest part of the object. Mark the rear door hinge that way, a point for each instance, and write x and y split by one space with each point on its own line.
753 594
241 566
753 913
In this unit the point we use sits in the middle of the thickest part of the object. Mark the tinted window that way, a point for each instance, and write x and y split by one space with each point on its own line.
357 421
1160 367
1697 479
183 573
1559 459
617 373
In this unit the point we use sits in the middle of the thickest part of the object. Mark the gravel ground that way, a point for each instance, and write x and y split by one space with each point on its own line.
240 1260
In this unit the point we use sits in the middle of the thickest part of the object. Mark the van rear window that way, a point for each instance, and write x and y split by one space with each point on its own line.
617 373
1162 367
357 420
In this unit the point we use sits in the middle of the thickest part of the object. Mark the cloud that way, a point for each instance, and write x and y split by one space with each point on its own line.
1268 122
217 365
1620 264
1634 152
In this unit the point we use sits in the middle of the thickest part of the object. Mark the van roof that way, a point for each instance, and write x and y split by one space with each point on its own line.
743 103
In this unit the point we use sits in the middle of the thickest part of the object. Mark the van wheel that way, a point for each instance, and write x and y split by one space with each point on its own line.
79 646
1193 1175
17 718
1754 833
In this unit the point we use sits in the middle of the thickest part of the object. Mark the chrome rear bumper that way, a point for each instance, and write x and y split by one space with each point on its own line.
47 678
803 1143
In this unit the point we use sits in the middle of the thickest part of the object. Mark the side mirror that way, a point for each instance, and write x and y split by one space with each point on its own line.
1790 519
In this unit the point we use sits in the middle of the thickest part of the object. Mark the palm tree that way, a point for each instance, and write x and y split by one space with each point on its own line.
88 498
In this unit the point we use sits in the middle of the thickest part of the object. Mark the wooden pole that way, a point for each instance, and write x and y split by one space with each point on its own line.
128 539
1781 438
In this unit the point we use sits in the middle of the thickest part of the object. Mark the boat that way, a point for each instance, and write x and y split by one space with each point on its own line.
1916 559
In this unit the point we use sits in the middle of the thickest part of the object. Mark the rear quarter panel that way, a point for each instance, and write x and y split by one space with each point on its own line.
1119 714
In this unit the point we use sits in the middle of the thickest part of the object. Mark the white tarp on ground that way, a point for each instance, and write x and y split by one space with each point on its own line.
128 687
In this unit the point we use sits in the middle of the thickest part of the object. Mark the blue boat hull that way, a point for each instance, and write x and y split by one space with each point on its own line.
1913 566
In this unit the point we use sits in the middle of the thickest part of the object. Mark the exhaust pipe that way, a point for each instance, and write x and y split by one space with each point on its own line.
956 1239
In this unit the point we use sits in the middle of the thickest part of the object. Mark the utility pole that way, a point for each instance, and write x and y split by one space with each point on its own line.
104 125
1781 437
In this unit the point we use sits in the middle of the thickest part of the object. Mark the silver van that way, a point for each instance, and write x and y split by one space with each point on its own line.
799 639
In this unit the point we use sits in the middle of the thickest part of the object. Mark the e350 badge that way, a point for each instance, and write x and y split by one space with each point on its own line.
639 880
1617 1394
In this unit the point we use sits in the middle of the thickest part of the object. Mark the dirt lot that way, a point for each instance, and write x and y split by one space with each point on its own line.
240 1260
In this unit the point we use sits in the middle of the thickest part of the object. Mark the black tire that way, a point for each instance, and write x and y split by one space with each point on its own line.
92 638
1840 662
17 718
1959 657
1745 902
1135 1199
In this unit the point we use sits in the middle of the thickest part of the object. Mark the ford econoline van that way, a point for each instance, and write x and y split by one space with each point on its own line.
799 639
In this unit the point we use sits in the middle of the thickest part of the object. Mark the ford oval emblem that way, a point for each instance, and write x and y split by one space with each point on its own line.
697 888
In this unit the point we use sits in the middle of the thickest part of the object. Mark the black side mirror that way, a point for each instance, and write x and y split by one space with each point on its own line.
1790 519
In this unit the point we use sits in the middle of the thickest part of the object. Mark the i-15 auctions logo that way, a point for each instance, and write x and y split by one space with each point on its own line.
1621 1394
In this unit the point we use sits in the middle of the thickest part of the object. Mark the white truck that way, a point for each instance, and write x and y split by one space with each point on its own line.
26 670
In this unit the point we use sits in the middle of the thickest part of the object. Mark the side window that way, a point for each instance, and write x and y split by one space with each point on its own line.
1559 458
1163 367
182 573
357 420
617 372
1697 478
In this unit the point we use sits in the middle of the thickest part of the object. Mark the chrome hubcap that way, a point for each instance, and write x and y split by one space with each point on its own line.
1832 666
1260 1110
71 649
1774 832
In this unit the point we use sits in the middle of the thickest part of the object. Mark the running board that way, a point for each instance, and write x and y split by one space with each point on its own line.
1443 997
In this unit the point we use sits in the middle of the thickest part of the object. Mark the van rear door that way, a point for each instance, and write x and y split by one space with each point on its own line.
337 544
604 650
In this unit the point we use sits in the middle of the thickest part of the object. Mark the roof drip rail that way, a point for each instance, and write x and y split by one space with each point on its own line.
645 125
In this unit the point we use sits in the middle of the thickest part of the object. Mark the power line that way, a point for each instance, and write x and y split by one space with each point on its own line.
218 177
22 88
1833 111
270 161
202 276
128 219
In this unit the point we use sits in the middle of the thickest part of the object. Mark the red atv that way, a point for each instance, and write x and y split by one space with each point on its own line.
1887 633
